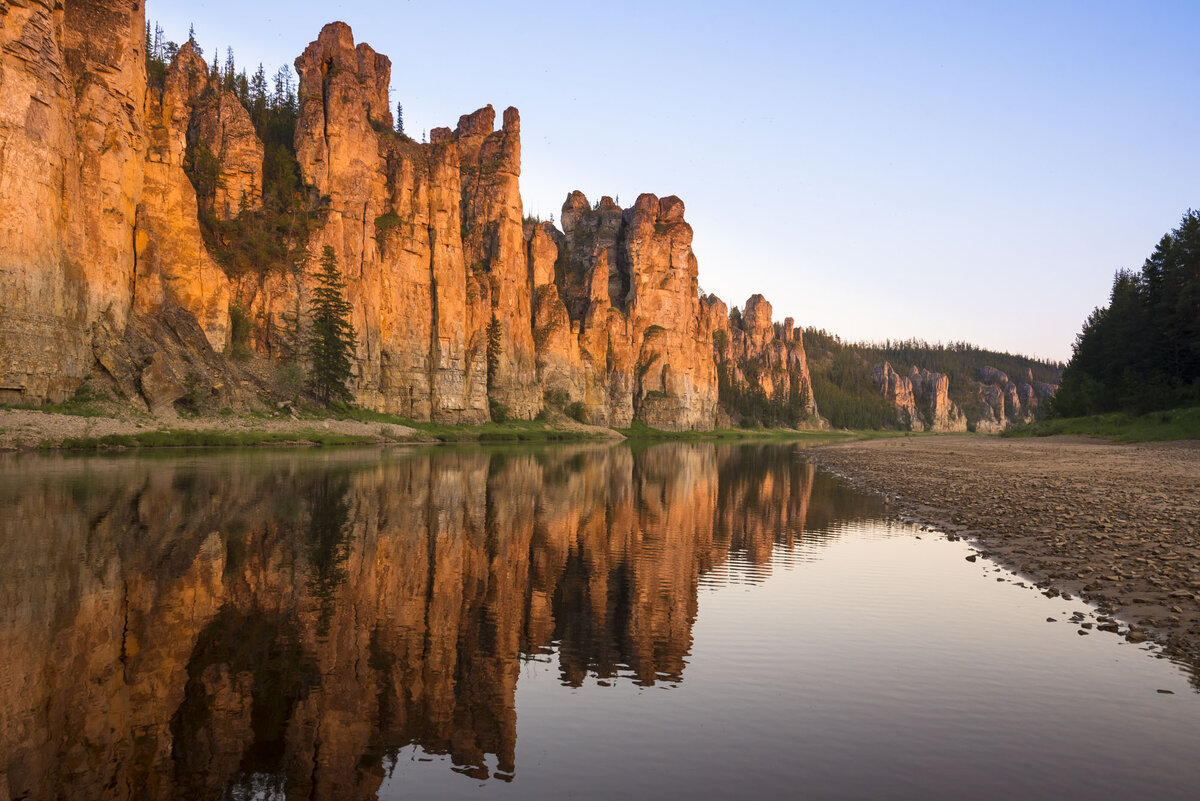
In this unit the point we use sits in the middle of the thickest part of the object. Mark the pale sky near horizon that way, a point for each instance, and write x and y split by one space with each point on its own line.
946 171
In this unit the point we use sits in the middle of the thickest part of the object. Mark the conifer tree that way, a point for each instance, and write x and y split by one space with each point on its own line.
331 338
400 119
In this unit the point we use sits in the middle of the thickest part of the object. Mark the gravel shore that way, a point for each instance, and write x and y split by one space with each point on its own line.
1118 525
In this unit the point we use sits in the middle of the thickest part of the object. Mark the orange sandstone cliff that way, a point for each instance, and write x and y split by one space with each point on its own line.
463 311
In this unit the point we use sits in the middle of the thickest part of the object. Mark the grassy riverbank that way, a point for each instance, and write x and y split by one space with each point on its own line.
1174 424
100 424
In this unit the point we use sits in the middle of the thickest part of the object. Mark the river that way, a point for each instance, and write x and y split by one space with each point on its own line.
595 621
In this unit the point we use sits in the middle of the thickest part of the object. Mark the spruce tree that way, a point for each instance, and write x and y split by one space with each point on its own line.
331 336
400 119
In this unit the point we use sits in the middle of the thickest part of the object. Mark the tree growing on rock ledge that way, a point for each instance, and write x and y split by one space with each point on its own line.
331 339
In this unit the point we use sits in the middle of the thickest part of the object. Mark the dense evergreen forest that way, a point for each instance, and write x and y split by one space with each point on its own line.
847 398
1142 352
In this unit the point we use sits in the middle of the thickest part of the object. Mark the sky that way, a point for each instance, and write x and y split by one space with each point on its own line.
945 171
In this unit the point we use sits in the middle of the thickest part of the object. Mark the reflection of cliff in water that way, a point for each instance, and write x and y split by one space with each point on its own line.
186 627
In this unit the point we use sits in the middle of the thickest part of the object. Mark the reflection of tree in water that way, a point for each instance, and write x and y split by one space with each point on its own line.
327 539
249 670
593 632
246 676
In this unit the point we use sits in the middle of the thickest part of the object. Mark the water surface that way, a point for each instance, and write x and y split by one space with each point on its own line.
692 620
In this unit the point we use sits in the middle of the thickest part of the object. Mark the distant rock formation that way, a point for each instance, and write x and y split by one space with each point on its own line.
922 399
617 318
763 364
1003 402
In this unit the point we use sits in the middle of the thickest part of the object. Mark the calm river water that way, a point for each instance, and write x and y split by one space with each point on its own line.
674 621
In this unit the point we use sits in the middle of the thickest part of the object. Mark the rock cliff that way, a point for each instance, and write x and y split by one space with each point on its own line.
462 310
763 369
72 83
921 398
99 239
1002 402
617 315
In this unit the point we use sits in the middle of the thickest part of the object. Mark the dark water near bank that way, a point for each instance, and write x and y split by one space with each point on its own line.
687 620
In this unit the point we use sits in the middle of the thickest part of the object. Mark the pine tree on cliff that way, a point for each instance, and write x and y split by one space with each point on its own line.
331 338
400 119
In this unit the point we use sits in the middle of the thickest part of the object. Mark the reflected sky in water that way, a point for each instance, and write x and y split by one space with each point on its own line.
578 621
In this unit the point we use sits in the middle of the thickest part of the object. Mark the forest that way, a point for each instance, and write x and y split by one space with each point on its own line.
1141 353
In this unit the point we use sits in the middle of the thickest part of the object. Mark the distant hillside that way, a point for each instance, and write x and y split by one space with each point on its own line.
850 396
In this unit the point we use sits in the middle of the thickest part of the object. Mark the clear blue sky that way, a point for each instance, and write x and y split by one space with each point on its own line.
947 171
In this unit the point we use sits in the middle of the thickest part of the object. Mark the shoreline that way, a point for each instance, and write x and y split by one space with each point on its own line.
1113 524
119 428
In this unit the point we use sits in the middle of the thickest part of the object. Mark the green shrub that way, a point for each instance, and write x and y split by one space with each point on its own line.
556 398
291 378
577 411
241 325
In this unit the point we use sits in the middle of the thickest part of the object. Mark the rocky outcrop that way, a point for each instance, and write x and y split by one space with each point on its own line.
391 211
921 398
1002 402
223 125
897 390
98 222
174 266
620 330
931 391
762 364
494 247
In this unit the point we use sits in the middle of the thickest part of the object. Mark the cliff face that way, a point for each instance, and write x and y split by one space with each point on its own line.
932 394
174 266
764 369
617 317
897 390
921 398
71 83
100 248
462 312
1002 402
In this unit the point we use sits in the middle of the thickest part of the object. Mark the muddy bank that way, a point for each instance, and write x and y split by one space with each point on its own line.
1118 525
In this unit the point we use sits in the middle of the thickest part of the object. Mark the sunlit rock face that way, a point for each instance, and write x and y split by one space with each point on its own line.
931 391
72 79
462 310
897 390
174 266
620 330
762 360
181 630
